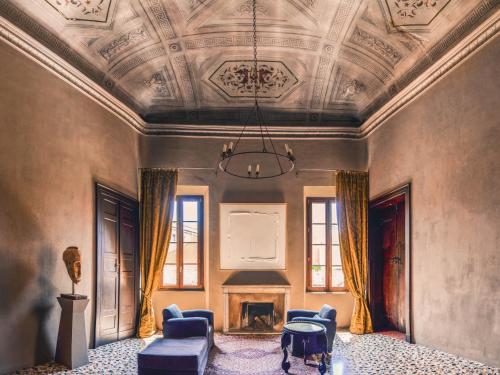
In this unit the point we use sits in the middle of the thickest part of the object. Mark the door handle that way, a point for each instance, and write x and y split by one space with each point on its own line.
396 260
116 265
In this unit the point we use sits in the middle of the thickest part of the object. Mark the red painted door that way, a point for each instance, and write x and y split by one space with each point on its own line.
393 261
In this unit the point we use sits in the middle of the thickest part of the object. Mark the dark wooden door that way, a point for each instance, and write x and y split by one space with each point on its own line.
393 258
117 282
389 256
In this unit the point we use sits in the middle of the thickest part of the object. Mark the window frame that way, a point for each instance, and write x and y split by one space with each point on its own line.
180 245
328 223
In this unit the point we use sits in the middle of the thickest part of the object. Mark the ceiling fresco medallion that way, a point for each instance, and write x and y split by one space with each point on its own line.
351 88
158 83
235 79
82 10
414 12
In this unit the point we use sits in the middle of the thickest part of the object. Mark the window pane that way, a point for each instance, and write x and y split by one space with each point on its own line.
169 274
334 212
175 211
190 254
190 211
318 278
319 255
336 260
173 236
337 277
190 232
318 234
335 234
172 254
190 275
318 213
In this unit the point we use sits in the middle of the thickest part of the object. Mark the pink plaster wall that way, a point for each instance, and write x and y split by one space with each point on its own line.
54 143
447 143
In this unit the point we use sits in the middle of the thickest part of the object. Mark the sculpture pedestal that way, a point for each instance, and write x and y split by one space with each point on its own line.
72 349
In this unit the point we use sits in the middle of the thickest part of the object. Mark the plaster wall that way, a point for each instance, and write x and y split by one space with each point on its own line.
446 143
182 152
54 144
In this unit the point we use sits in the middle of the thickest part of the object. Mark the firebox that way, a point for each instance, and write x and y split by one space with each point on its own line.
257 316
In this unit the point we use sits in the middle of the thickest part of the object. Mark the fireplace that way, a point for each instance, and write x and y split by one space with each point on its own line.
255 303
257 316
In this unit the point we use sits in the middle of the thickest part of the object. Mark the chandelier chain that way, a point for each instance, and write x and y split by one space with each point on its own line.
228 153
256 73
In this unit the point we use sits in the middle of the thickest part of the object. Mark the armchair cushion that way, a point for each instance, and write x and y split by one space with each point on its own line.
325 322
173 356
327 312
209 315
172 311
185 327
298 313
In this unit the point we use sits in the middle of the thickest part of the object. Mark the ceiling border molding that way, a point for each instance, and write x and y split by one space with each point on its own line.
277 132
37 52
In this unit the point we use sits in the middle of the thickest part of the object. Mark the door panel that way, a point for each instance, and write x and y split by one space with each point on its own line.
108 277
117 266
400 250
390 283
128 286
387 265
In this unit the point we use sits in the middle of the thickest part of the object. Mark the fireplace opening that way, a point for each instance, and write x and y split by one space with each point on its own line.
257 316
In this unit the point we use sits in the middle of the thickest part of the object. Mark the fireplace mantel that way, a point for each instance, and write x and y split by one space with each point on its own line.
251 285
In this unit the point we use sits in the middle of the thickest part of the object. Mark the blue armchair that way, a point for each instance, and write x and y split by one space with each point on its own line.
326 316
188 323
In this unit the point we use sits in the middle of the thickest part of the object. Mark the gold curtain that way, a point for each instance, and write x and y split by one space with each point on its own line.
352 213
158 189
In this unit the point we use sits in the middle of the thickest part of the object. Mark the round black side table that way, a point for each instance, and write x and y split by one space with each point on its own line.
307 332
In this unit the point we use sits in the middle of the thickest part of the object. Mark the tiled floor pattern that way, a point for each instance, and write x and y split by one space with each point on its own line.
353 355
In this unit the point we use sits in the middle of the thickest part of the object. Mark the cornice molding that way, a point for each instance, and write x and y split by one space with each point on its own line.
37 52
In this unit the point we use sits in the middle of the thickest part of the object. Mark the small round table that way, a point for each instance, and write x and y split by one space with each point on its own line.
306 331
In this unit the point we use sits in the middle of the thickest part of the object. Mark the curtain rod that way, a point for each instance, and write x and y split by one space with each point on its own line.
216 169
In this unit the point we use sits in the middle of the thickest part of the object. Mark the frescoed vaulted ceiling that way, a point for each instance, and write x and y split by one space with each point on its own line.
322 62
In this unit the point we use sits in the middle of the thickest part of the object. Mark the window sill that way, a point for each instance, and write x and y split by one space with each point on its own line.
339 292
167 289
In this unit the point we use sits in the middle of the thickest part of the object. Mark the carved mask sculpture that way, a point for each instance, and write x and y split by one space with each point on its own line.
73 259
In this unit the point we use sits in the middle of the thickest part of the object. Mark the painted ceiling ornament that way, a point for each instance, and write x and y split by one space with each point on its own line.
82 10
238 78
351 88
409 8
246 9
158 83
132 38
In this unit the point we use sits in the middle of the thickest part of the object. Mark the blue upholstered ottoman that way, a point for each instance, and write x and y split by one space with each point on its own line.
186 356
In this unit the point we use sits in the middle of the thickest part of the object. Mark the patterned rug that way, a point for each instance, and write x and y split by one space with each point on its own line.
253 355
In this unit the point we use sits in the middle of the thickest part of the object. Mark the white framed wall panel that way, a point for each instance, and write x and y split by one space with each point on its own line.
253 236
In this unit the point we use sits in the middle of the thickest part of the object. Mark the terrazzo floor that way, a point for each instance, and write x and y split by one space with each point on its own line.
351 355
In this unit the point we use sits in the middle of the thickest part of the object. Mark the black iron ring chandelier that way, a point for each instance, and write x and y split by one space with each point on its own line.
247 164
